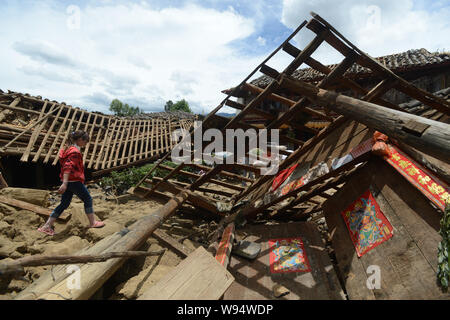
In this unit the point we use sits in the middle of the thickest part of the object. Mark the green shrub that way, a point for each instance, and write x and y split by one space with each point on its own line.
120 181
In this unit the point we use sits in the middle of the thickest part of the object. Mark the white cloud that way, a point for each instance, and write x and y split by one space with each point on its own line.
261 41
377 27
124 51
146 55
44 52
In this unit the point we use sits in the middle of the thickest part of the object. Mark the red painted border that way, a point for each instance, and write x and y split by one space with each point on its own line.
435 198
224 245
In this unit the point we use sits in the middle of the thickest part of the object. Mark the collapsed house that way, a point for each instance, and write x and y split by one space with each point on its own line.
427 71
377 173
33 130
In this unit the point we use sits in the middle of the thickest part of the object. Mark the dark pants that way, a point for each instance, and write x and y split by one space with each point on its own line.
81 191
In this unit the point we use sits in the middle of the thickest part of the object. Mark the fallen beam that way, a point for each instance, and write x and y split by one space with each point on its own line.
32 207
226 245
172 243
198 277
17 266
423 134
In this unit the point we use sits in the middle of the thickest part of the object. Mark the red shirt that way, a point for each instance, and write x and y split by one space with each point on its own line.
71 161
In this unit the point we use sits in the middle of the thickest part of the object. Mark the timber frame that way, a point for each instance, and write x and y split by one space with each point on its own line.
40 127
118 142
308 100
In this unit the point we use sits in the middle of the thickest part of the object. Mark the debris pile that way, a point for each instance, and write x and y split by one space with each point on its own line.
364 193
34 129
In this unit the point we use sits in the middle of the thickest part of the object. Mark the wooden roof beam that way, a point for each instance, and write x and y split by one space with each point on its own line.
433 139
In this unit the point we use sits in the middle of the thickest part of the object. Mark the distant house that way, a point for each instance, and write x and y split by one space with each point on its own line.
428 71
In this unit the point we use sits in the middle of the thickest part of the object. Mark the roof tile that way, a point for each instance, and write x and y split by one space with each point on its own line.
396 62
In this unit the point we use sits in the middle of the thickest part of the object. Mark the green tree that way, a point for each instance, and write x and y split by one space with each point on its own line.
168 106
122 110
181 105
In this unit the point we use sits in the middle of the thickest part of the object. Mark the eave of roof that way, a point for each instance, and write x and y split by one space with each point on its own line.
411 60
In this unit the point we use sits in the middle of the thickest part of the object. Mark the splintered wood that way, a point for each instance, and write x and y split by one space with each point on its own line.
52 284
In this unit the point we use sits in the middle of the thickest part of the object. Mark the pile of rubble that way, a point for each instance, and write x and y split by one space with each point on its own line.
368 188
19 237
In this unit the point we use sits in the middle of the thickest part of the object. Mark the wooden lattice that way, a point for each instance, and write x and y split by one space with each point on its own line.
36 129
299 102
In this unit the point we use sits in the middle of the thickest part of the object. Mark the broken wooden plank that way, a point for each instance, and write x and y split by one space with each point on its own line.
35 133
179 248
32 207
286 101
226 245
198 277
93 276
17 266
3 183
107 155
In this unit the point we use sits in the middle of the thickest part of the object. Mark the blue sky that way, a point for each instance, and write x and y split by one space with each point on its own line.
88 52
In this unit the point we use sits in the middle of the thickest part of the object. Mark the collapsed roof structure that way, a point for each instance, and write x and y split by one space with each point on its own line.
382 207
35 128
404 64
352 122
283 84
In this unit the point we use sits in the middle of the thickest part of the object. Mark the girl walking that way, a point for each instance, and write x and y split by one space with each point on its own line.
72 177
